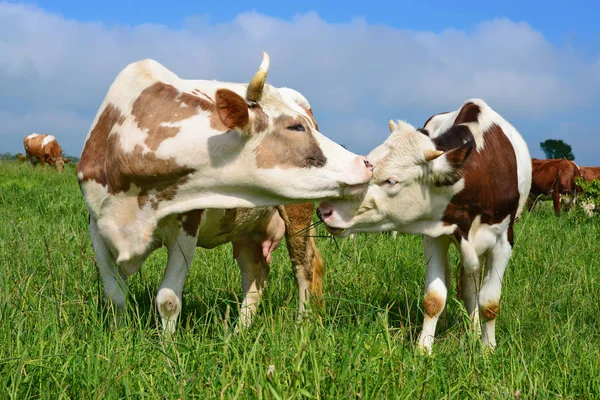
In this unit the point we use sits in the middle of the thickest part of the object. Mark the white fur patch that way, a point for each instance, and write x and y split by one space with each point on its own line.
48 139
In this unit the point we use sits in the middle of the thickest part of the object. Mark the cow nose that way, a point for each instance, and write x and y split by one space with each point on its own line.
324 211
368 163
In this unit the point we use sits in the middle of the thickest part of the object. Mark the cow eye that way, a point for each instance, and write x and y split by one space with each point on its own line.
390 181
297 127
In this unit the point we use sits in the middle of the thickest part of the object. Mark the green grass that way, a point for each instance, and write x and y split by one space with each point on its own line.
55 340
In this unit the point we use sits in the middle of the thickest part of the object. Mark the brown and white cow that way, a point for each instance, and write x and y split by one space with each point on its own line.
46 149
590 173
162 147
463 179
555 179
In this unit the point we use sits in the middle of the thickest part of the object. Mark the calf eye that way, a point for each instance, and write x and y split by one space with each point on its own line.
297 127
390 182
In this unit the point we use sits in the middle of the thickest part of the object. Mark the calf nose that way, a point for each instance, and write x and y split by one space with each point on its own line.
368 163
324 211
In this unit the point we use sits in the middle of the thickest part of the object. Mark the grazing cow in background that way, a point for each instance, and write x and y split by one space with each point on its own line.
162 149
46 149
590 173
463 179
555 179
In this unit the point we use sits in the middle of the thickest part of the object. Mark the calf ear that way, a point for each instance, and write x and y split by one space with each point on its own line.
232 110
448 169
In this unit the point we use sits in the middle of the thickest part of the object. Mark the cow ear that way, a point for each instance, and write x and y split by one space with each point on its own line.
232 110
448 169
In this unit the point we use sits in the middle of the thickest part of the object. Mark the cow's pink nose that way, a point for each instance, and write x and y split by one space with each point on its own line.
324 211
367 163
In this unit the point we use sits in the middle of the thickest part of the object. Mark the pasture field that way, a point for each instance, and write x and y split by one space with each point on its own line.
55 341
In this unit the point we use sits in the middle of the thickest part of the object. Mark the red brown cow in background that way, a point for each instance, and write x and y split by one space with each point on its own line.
46 149
555 178
590 173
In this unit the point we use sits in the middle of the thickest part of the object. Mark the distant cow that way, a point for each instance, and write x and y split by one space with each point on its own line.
162 149
461 180
554 178
590 173
46 149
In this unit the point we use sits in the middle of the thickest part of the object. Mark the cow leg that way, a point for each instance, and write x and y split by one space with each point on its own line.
436 291
254 269
114 283
181 243
556 202
489 295
469 281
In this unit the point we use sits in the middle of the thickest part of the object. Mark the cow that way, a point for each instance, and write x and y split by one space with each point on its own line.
555 179
46 149
463 179
162 149
590 173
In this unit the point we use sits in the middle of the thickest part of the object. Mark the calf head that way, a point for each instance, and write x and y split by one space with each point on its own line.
412 182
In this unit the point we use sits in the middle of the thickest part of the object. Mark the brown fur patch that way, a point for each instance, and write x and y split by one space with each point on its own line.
285 148
104 161
160 104
468 113
433 304
491 185
232 109
190 221
94 156
489 311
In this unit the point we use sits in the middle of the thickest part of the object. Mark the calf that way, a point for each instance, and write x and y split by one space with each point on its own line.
46 149
255 233
162 149
463 179
554 178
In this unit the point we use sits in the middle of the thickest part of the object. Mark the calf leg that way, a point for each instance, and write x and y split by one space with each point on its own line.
436 291
254 269
180 236
470 271
489 295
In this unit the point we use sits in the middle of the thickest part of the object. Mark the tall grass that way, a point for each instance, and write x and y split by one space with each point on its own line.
56 342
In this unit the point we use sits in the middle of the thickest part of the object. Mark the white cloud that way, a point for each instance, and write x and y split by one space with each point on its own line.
54 72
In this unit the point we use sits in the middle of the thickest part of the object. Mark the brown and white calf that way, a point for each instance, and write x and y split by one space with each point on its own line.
163 148
255 233
46 149
463 179
554 179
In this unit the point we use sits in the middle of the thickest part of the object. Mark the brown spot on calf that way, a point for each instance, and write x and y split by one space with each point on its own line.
489 311
491 185
433 304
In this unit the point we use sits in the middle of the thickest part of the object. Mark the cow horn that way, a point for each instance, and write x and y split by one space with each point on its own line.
392 125
255 88
432 154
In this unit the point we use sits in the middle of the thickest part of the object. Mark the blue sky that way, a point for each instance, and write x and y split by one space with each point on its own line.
359 63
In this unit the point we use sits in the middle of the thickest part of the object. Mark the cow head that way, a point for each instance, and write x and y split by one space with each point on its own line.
59 163
292 158
412 182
